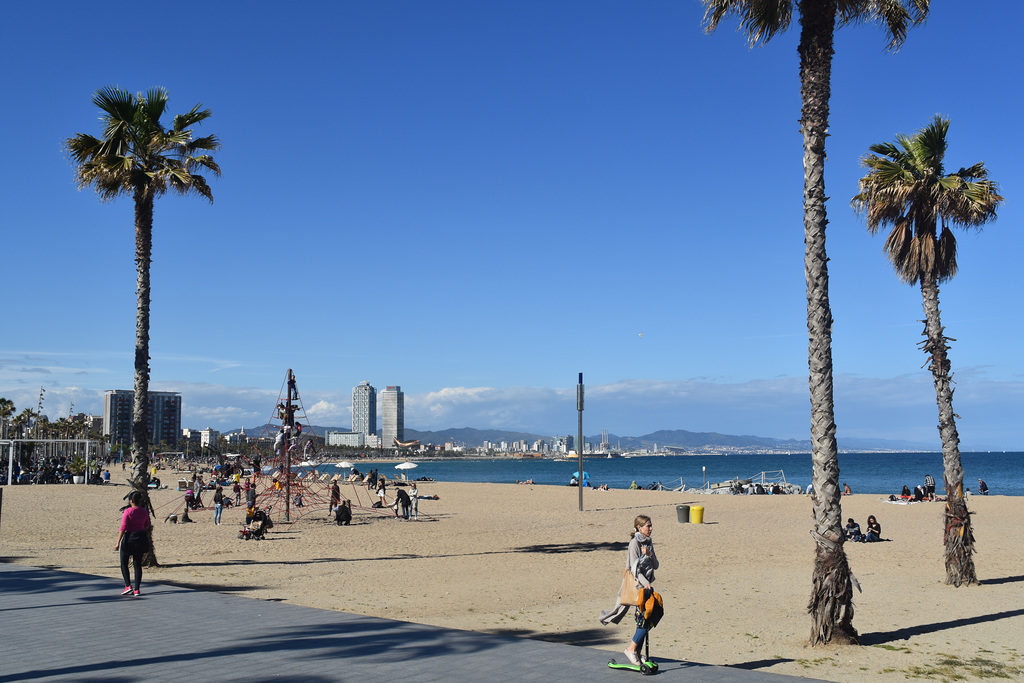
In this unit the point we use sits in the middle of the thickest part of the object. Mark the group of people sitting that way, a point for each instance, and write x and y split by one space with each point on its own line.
874 532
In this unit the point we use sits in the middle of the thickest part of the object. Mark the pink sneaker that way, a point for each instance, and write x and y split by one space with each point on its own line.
127 590
135 593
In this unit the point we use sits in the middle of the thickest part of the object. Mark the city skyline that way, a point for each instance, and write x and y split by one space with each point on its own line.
486 199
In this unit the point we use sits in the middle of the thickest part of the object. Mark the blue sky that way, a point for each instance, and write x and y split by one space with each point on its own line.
478 200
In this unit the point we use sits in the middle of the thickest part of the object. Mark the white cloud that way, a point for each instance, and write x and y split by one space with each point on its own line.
329 413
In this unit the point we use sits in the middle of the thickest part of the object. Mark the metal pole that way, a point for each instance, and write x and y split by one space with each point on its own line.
288 423
579 439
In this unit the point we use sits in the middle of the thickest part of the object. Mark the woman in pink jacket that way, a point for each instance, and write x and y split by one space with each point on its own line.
133 541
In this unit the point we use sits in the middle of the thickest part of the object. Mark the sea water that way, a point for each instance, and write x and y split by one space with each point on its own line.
874 473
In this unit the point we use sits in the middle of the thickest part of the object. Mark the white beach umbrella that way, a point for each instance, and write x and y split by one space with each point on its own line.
344 463
405 466
306 463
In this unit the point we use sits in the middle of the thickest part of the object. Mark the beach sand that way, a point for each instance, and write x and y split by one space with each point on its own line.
523 560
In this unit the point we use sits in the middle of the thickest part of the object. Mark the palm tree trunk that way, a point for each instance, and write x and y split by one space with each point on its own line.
140 409
958 535
831 603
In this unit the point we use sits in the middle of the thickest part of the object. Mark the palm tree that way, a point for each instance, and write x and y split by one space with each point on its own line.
831 603
137 156
6 410
23 421
907 188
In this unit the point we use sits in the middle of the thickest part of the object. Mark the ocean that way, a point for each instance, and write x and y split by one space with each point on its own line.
875 473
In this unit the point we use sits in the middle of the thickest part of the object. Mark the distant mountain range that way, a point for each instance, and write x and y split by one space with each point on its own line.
676 438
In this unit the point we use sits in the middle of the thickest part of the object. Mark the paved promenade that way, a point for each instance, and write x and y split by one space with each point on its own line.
62 626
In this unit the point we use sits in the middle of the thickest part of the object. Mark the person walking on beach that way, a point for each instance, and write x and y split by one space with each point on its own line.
218 504
414 501
642 563
133 541
382 487
929 486
237 489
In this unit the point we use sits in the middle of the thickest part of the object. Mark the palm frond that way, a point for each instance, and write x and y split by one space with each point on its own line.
896 16
905 187
760 20
945 257
193 117
135 152
155 105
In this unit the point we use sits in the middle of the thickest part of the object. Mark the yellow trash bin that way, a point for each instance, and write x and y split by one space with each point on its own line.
697 514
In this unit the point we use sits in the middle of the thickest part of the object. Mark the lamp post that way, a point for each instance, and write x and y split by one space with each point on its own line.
579 438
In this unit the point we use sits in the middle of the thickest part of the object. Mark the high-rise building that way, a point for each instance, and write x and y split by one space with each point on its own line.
364 409
393 424
163 421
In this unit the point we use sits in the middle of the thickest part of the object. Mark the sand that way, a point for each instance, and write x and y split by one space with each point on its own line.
523 560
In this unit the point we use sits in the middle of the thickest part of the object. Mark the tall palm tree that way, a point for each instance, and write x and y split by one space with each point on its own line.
907 188
831 603
136 156
23 421
6 411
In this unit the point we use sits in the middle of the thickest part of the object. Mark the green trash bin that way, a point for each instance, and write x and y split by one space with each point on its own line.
683 513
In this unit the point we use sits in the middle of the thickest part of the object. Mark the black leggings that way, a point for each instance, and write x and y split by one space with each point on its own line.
134 551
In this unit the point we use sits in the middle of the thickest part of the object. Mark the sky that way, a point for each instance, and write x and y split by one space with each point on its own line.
479 200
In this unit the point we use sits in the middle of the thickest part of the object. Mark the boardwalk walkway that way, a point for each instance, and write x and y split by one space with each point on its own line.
62 626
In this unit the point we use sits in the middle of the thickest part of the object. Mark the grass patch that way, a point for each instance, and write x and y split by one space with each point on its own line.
810 663
951 668
892 648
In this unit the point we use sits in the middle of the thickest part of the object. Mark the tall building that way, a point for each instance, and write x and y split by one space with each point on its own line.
364 409
163 422
393 424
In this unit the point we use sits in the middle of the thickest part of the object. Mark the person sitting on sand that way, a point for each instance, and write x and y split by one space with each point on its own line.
343 513
905 494
982 488
919 494
852 530
846 489
874 530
